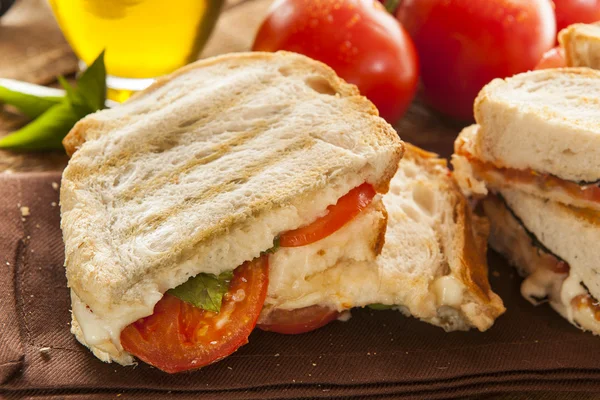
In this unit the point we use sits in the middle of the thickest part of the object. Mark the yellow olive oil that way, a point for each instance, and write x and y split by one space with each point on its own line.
142 38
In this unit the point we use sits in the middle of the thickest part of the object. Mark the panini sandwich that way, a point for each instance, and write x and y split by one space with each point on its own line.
533 161
176 204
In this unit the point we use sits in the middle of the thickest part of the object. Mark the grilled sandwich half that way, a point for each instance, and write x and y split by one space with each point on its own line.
533 160
177 204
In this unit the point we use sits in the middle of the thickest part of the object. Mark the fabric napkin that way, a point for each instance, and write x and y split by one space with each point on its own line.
374 354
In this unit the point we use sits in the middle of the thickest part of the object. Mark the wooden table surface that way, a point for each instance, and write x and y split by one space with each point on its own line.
33 49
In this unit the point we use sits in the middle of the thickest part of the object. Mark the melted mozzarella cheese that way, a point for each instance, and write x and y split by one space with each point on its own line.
288 268
307 275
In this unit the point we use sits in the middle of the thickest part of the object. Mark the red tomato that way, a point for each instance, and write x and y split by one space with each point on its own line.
572 11
302 320
464 44
338 215
554 58
179 337
357 38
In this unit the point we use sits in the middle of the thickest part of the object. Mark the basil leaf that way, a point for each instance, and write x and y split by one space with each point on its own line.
55 116
74 97
204 291
91 85
275 247
379 306
28 104
45 132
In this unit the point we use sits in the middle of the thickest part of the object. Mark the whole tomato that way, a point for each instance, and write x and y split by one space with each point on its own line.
572 11
464 44
359 39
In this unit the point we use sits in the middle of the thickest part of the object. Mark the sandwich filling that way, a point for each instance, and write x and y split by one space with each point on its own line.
582 193
548 278
210 316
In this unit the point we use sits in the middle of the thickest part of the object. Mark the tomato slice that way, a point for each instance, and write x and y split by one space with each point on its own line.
179 336
302 320
338 215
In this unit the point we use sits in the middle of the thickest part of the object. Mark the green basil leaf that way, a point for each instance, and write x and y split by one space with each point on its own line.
91 85
45 132
30 105
56 116
275 247
75 98
204 291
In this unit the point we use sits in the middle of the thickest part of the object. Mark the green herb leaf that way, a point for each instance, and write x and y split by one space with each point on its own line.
45 132
75 99
28 104
91 85
379 306
55 116
276 246
204 291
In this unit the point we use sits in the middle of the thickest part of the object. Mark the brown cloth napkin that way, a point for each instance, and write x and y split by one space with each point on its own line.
375 354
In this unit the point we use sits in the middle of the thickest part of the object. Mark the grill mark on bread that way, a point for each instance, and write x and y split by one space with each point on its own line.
133 152
208 195
172 175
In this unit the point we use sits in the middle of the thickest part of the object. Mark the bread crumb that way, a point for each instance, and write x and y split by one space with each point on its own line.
54 185
496 274
45 352
53 204
25 211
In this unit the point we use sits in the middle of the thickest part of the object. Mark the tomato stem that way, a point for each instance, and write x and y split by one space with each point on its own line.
391 6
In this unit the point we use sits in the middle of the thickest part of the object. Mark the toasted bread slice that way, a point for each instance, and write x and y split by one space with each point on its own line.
432 266
568 232
547 121
547 277
201 171
476 176
581 43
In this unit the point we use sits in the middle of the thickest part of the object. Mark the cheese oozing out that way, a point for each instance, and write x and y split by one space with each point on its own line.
298 276
546 278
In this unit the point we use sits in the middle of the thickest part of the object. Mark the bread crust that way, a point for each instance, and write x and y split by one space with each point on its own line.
581 43
199 172
544 120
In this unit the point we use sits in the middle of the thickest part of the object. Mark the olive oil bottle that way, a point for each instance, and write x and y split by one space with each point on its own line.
143 39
